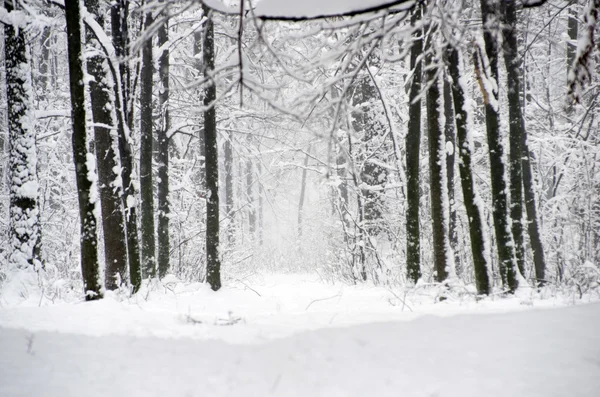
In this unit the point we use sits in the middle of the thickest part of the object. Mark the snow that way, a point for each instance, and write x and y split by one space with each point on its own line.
310 9
293 335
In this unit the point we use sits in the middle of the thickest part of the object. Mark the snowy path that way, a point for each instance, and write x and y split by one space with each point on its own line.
537 353
295 336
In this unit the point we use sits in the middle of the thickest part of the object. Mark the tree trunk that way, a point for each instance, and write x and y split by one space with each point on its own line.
146 140
44 68
163 152
500 212
516 127
302 195
450 149
572 28
197 51
250 198
213 259
119 13
84 171
228 162
24 232
260 203
438 179
413 142
473 203
113 217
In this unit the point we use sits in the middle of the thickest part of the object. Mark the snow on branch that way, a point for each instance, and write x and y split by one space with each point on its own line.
582 70
294 10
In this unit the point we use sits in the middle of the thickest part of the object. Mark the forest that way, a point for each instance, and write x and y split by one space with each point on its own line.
273 197
146 139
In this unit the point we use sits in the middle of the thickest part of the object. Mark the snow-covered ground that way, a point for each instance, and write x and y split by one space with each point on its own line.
290 335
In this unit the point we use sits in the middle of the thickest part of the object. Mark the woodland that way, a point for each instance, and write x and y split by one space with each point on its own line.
403 144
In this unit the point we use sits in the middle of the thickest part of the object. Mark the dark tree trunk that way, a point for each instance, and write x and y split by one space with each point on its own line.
516 127
113 217
500 211
441 243
465 165
119 13
413 143
87 208
572 28
197 50
24 233
163 154
146 140
213 259
449 131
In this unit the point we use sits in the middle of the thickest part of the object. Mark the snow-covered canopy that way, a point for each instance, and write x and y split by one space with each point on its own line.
294 10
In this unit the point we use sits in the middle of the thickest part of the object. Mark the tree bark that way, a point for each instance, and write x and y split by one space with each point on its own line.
84 171
146 140
228 163
516 127
163 152
413 142
450 134
119 14
213 259
24 232
106 139
439 199
473 204
500 212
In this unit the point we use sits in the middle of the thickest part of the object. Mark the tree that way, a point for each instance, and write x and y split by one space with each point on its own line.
450 134
163 149
24 233
413 143
84 161
442 253
107 160
146 172
473 203
500 210
119 17
213 259
516 127
521 173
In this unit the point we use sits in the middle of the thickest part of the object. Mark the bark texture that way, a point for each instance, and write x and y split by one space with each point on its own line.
413 143
163 153
84 170
213 257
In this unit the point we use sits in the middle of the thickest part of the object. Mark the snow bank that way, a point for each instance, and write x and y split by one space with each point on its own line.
534 353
